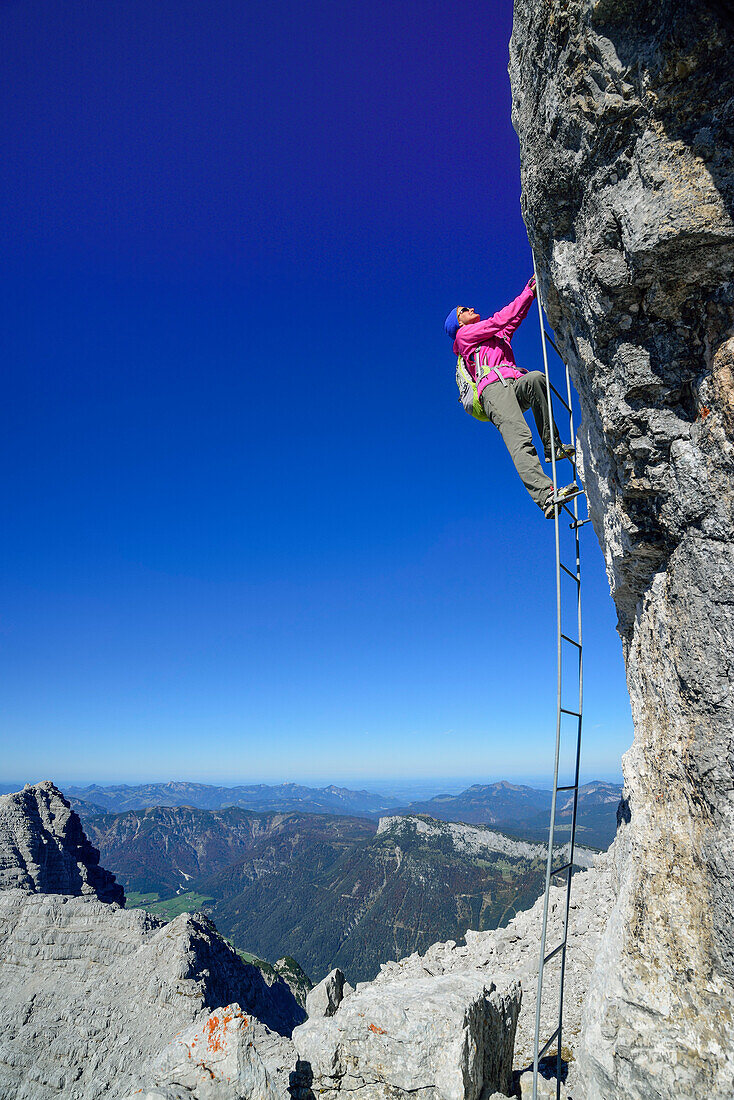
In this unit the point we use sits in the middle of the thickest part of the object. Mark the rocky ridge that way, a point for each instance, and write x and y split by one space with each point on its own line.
194 1021
341 1051
474 839
511 954
625 115
107 988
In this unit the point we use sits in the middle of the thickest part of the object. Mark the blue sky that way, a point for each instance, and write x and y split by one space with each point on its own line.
249 532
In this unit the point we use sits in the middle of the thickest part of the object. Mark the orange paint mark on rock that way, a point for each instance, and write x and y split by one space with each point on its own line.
377 1030
216 1033
211 1029
705 411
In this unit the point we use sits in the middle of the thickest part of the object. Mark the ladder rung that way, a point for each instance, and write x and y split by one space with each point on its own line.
560 870
579 523
552 343
555 391
573 576
567 509
575 713
566 638
553 1036
554 952
570 787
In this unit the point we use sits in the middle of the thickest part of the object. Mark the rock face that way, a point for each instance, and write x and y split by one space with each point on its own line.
294 977
624 114
43 847
421 995
230 1056
90 994
438 1038
475 839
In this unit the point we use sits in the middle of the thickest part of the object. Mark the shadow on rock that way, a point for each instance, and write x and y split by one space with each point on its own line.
300 1082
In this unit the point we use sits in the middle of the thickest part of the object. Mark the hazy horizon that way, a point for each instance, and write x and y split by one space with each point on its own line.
415 786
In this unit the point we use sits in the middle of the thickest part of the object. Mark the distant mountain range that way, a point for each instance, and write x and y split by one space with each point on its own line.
260 797
525 812
512 808
328 890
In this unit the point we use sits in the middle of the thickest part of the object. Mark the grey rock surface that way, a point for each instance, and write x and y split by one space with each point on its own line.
228 1056
547 1089
624 114
510 954
43 847
90 993
447 1037
325 998
339 1053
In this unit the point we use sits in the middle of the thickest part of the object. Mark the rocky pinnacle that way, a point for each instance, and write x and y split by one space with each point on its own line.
94 997
43 848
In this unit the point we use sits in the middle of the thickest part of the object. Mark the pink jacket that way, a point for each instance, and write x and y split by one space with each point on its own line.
492 338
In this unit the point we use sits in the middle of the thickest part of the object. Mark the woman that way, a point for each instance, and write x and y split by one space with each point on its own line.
506 392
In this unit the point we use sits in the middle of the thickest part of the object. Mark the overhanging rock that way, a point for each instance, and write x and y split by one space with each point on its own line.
624 114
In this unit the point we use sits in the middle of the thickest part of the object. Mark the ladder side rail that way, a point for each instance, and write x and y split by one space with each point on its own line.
551 832
577 547
574 812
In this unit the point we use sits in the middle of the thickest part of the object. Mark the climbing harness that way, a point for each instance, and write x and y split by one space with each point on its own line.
568 594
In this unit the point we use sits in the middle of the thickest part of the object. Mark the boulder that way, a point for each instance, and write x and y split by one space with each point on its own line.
448 1037
325 998
228 1056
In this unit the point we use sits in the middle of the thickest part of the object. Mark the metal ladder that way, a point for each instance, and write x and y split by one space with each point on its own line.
566 646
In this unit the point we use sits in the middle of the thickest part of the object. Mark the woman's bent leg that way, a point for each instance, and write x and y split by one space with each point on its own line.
532 394
501 406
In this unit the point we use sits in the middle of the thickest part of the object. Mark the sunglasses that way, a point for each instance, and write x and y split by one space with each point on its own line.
464 309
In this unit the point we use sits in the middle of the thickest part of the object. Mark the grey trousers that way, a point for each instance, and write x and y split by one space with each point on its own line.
505 405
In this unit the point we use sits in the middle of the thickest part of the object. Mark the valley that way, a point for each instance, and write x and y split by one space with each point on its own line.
325 889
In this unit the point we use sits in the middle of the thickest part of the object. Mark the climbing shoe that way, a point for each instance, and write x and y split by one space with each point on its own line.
553 504
564 451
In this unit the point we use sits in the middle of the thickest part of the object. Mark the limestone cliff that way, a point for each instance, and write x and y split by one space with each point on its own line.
43 847
93 996
624 114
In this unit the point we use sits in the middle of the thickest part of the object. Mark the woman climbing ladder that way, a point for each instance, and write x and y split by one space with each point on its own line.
502 392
